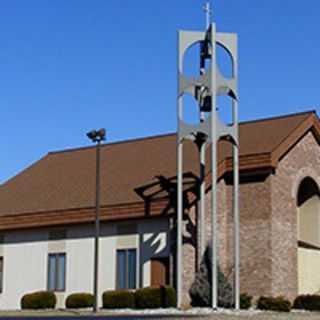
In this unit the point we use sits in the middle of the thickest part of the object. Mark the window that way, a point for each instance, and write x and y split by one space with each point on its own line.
1 274
126 269
57 272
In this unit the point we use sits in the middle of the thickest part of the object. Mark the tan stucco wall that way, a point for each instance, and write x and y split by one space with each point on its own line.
308 270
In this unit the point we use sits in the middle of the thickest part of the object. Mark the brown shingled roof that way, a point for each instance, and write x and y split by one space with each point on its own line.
65 180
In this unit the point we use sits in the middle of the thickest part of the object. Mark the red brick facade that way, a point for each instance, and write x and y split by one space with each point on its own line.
302 161
268 214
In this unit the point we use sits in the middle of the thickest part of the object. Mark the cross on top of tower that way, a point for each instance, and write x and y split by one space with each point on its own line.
208 11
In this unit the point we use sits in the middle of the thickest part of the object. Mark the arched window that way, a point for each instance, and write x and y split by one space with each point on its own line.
307 189
308 202
308 205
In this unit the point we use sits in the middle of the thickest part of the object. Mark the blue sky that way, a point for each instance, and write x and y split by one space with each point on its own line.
70 66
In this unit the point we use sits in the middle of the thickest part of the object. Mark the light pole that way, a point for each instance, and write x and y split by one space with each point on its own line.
97 137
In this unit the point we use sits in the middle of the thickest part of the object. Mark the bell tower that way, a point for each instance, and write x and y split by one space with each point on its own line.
207 132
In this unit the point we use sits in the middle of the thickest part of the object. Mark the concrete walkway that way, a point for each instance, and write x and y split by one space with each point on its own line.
73 315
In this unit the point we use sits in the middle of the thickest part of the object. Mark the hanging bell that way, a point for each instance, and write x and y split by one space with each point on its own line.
206 105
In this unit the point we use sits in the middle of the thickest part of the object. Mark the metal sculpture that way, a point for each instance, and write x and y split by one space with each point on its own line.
209 130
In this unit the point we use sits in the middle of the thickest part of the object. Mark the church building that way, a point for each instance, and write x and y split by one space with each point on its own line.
47 215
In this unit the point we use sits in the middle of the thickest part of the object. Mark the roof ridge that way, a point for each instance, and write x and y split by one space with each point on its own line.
293 130
288 135
288 115
113 143
174 133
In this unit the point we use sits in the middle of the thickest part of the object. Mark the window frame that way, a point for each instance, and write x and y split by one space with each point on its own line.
57 257
126 250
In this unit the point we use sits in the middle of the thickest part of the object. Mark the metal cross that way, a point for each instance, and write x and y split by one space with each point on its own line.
208 11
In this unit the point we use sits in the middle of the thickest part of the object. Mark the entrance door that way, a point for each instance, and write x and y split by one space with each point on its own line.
159 272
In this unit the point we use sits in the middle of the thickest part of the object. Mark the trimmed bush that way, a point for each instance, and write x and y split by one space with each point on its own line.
116 299
274 304
309 302
146 298
79 300
39 300
170 297
245 301
149 298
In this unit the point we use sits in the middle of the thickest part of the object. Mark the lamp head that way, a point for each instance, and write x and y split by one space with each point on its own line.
102 134
92 135
97 135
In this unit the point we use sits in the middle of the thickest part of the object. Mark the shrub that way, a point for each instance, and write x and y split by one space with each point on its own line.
309 302
39 300
170 297
274 304
116 299
245 301
149 298
200 291
79 300
162 297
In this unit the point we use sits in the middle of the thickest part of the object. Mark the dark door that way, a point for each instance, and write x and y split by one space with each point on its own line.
159 272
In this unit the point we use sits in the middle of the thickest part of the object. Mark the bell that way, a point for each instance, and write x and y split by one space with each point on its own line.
206 105
205 50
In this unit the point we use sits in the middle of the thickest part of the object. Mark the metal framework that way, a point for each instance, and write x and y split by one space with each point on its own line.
209 130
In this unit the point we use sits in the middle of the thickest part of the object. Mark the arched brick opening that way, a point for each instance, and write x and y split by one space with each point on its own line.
307 189
308 210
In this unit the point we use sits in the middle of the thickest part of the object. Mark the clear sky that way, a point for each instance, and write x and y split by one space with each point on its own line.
68 66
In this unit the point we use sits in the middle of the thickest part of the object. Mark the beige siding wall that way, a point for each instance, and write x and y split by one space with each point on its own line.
309 275
309 221
308 259
25 255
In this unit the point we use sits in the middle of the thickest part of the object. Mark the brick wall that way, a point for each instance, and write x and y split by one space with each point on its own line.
268 219
255 248
302 161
